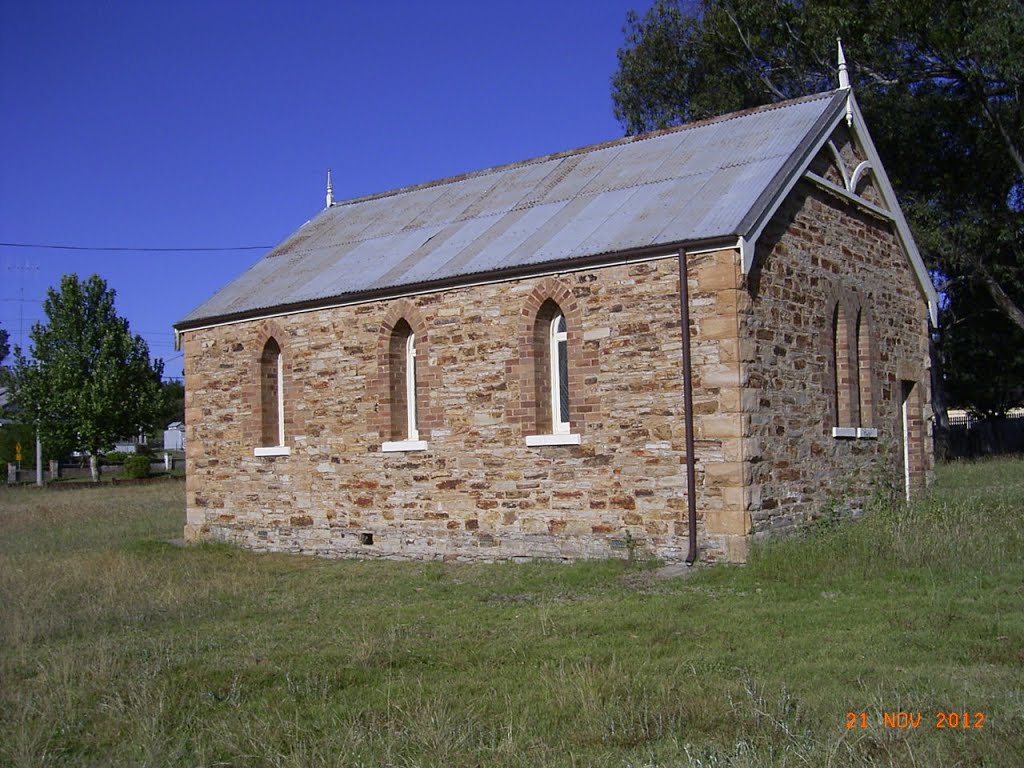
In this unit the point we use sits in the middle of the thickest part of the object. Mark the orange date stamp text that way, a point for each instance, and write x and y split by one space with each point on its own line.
964 720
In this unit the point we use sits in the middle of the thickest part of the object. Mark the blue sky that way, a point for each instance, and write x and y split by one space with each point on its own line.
194 124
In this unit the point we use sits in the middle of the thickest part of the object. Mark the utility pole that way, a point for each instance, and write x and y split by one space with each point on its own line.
23 268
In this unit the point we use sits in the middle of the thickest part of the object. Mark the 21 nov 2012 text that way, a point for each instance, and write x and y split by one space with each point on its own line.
963 720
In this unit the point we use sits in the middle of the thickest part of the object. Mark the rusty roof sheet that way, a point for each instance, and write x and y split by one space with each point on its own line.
693 183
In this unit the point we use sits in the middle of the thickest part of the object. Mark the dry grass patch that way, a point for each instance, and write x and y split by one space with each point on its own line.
119 649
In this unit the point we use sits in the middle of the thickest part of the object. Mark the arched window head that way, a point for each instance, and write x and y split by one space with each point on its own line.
844 372
402 384
271 394
551 397
548 403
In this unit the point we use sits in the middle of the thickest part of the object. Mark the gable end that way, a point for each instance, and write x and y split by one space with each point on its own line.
833 154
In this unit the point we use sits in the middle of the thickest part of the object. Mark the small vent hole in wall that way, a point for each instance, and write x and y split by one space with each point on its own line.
366 538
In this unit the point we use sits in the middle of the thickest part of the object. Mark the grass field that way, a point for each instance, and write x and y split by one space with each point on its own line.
117 648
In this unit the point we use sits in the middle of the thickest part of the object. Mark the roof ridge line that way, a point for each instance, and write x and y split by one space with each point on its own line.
445 180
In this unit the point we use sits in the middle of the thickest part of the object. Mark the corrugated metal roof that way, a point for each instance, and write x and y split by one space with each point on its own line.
692 183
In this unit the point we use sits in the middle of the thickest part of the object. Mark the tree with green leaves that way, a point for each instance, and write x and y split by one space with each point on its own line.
4 346
4 350
939 83
988 376
172 403
89 380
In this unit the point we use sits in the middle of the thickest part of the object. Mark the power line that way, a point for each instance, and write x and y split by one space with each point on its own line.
205 249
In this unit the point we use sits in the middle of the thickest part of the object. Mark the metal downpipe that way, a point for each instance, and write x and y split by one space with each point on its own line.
691 478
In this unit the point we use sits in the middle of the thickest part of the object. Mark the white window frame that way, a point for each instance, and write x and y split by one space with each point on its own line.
558 427
280 399
560 430
410 388
280 449
905 418
412 441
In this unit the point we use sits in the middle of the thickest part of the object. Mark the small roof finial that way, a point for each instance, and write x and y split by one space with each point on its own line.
844 75
844 82
330 190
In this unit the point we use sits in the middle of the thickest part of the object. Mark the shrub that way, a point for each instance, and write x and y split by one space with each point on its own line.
115 457
136 466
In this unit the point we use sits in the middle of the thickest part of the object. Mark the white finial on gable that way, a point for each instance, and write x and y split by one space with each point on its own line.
330 190
844 81
844 76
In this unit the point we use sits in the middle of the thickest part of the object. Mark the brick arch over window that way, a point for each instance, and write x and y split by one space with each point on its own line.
851 355
550 298
844 372
551 390
403 319
271 395
271 390
912 424
843 355
402 382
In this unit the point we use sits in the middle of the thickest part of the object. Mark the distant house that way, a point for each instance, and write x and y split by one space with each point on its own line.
130 444
492 365
174 436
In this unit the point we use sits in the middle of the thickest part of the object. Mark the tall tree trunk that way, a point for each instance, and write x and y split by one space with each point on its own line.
940 431
94 467
1006 304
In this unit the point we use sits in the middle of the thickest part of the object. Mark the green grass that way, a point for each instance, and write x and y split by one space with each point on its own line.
117 648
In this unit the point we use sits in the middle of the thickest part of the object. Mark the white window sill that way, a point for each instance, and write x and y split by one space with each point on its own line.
272 450
536 440
397 446
870 433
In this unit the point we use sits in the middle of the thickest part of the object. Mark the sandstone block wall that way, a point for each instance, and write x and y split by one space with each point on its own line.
477 491
817 254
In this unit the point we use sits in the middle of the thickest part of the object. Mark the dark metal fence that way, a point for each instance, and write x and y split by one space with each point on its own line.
970 438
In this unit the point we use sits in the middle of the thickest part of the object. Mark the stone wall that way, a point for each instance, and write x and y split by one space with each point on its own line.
477 491
820 253
765 401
